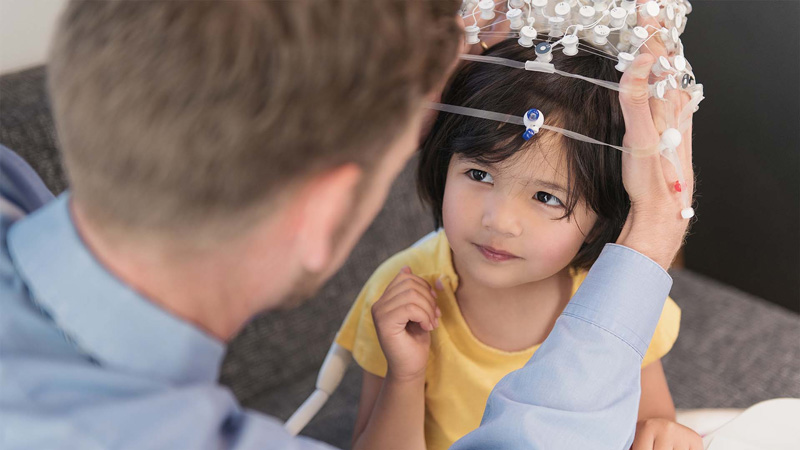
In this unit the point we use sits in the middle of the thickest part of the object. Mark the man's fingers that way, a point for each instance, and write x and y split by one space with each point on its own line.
672 106
500 28
491 30
653 45
634 98
681 99
643 172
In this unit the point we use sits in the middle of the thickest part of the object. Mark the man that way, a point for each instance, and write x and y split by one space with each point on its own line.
224 158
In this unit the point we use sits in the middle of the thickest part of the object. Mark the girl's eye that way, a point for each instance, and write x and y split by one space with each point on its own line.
548 199
480 175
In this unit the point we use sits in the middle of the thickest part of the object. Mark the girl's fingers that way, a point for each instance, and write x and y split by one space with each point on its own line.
663 442
405 280
404 277
642 441
411 293
404 272
413 311
415 280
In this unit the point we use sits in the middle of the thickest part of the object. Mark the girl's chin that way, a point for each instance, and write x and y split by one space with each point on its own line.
498 277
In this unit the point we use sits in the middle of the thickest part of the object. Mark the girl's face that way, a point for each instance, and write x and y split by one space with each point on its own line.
503 223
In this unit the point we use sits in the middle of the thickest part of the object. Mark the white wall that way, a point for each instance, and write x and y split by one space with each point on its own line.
25 30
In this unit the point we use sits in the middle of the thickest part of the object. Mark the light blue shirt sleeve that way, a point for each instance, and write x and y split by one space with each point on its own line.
87 362
581 388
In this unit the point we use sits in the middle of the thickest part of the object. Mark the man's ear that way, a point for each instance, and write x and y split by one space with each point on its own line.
327 201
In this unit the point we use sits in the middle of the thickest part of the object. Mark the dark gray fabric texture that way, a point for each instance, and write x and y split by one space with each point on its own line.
26 125
733 350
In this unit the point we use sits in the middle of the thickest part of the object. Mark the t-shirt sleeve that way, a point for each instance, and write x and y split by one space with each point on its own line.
358 334
666 333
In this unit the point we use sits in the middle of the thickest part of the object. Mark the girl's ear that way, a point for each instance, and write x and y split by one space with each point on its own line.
589 240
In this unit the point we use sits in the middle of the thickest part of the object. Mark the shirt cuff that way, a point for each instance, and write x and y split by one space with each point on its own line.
624 294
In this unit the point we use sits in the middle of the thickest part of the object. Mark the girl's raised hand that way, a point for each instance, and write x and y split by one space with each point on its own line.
404 316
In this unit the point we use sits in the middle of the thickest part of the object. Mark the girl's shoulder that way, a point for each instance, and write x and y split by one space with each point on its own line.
429 257
578 276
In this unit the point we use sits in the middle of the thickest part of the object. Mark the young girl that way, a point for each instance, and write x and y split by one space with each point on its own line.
522 222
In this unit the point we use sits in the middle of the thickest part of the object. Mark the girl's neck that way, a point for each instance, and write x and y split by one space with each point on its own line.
514 318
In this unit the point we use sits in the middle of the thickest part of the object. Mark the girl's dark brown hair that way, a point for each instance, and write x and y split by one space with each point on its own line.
594 171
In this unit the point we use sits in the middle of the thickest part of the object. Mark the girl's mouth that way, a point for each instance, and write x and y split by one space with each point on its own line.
495 255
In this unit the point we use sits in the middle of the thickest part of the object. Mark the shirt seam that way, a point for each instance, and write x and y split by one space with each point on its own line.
606 330
618 323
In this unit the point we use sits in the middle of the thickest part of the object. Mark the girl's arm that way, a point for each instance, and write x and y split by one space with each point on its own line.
656 401
392 410
391 413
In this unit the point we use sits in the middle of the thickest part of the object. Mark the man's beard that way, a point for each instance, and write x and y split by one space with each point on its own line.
305 287
309 283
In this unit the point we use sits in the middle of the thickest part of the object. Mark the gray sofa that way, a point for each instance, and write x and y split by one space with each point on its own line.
734 349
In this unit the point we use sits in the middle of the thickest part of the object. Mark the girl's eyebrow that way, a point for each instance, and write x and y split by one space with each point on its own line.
549 185
545 184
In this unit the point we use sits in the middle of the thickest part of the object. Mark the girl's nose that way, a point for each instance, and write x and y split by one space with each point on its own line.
499 216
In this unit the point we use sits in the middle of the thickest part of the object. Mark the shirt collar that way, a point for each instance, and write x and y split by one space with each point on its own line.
103 316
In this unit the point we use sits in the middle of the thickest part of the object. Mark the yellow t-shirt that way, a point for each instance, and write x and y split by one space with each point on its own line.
462 371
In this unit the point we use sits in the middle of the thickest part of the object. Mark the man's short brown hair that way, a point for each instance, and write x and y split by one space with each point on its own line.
177 113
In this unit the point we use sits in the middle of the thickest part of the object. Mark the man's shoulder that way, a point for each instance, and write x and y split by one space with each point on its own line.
25 327
34 352
12 285
21 193
55 395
